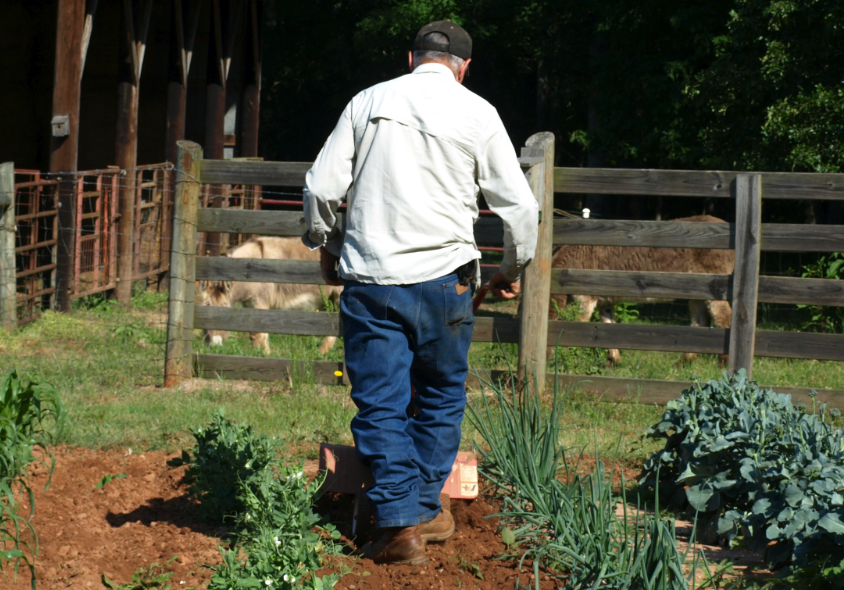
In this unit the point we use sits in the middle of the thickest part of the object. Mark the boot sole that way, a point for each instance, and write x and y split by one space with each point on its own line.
439 537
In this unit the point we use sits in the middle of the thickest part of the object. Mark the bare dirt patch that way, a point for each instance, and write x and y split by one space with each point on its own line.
127 524
145 518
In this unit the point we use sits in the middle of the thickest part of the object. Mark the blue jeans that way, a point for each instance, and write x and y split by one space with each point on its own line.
392 334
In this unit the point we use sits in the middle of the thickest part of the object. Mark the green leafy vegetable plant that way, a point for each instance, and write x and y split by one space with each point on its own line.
234 476
226 456
752 463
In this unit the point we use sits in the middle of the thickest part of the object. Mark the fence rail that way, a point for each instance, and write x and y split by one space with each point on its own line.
744 288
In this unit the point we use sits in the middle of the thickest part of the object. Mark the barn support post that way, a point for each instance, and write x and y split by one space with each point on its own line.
252 75
179 351
176 87
8 290
746 275
64 143
215 114
132 49
536 282
184 23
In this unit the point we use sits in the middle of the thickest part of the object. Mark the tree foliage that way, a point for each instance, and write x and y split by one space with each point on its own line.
731 84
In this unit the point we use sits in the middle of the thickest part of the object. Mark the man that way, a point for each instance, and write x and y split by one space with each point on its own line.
410 157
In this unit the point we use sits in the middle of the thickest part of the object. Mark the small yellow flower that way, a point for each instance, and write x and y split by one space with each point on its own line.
338 373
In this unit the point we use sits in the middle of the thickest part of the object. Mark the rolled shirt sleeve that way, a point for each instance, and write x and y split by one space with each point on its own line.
509 196
326 185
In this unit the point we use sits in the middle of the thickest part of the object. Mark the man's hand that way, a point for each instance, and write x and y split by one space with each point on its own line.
504 289
328 265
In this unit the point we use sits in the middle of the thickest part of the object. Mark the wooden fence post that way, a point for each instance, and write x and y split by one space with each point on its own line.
178 361
746 275
8 289
536 282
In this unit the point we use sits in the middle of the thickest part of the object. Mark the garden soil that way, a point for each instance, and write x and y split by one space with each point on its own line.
144 518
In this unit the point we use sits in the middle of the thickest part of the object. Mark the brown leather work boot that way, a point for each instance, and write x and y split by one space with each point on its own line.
440 529
399 545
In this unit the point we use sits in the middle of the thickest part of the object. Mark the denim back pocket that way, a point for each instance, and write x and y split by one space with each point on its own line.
458 308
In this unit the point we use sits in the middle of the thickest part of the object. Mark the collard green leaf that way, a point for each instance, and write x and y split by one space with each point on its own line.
703 500
832 522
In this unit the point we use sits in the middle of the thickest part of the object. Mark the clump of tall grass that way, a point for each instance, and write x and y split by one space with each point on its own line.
574 529
30 414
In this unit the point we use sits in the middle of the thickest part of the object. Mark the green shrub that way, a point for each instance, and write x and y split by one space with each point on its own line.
570 529
226 456
751 462
234 476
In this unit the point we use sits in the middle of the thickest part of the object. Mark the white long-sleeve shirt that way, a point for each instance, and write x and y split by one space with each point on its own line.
410 156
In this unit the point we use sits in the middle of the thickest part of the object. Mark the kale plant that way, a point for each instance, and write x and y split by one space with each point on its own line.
750 462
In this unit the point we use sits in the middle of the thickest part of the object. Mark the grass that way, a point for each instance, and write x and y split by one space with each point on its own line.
107 365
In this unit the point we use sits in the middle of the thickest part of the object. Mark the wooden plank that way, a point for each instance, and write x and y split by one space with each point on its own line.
275 321
641 285
263 270
8 283
776 237
655 234
271 321
536 280
801 291
223 366
179 348
665 285
265 223
489 231
746 275
694 183
258 270
644 391
787 237
800 345
638 337
251 172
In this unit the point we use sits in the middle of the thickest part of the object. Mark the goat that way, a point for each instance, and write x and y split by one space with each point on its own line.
268 295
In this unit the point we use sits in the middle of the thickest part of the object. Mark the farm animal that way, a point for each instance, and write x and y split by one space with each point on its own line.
268 295
703 313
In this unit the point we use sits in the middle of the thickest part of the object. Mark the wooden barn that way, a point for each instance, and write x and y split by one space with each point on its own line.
89 85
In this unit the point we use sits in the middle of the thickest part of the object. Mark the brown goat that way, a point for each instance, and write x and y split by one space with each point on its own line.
691 260
268 295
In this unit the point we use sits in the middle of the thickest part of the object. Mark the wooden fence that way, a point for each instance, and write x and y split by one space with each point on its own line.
745 288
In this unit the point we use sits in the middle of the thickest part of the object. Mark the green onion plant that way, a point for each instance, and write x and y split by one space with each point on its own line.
575 528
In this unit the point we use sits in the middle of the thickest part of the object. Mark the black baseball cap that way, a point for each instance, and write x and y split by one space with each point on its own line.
459 42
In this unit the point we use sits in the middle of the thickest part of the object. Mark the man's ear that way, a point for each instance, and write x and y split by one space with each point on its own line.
463 69
410 60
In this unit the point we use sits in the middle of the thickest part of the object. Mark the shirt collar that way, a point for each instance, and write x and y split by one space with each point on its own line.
434 68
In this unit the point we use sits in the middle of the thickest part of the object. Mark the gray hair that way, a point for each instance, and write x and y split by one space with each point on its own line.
421 56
